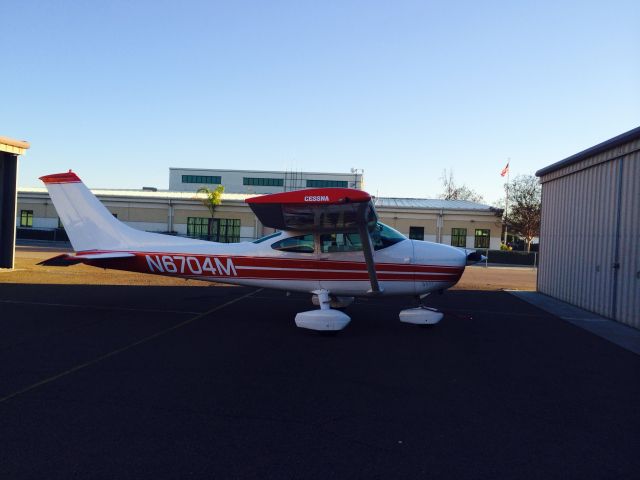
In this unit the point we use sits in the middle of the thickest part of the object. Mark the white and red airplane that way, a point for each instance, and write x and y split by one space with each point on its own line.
329 243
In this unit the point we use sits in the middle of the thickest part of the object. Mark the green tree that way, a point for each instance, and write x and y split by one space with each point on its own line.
211 200
523 215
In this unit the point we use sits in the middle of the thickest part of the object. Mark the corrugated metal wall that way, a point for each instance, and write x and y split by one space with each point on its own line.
590 235
628 285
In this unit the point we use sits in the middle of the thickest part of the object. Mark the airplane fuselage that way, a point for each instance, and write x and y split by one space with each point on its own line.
409 267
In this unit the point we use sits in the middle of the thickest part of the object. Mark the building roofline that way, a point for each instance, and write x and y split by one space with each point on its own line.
10 145
145 195
241 197
590 152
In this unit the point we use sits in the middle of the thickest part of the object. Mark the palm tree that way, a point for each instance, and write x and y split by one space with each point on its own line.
212 199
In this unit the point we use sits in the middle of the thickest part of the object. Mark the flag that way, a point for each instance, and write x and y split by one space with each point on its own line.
505 170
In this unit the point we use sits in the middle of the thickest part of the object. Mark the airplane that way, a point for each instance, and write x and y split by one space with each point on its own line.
328 242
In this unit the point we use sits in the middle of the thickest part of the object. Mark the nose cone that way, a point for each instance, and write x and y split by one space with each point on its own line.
428 253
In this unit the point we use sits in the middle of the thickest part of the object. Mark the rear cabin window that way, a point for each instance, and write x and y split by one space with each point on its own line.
301 244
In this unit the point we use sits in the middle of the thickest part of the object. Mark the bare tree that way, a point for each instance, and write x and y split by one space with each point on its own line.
212 199
523 216
451 191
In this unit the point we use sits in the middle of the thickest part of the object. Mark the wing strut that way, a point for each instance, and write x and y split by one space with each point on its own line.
367 249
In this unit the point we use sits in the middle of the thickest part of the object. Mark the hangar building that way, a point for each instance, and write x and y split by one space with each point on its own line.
10 149
590 229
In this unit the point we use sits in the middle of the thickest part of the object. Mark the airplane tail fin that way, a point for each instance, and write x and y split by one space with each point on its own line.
88 223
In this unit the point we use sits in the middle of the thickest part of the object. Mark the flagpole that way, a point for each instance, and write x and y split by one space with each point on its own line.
506 202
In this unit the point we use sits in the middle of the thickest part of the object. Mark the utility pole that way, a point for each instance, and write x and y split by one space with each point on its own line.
357 171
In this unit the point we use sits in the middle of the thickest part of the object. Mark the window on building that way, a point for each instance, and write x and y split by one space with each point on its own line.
340 242
202 179
224 230
459 237
416 233
263 182
482 238
198 227
227 230
26 218
327 183
300 244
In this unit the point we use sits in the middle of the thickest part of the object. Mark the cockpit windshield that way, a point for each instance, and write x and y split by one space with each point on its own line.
383 236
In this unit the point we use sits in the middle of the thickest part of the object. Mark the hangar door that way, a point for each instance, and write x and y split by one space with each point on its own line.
578 231
590 238
627 301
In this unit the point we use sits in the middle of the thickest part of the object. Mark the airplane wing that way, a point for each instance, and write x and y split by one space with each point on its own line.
322 210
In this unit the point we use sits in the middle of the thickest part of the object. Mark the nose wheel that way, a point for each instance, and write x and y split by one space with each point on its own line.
421 315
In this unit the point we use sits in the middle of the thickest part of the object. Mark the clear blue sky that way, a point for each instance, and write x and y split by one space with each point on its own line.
119 91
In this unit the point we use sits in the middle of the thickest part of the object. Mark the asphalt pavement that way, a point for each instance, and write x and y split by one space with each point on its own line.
217 382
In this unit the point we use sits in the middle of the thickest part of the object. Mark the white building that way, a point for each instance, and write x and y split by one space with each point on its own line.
453 222
258 181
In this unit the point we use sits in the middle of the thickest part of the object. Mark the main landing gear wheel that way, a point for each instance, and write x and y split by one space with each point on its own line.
335 302
325 319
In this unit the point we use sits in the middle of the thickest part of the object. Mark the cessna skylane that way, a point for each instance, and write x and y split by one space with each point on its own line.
328 242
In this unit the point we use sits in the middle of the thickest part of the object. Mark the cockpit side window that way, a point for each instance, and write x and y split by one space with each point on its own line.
299 244
340 242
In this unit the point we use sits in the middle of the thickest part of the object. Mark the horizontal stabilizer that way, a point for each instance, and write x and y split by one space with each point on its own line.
103 256
66 260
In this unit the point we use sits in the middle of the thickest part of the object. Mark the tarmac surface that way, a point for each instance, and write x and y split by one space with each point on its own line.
217 382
